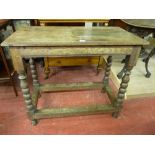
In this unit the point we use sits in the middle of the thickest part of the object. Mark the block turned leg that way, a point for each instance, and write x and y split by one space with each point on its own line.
27 96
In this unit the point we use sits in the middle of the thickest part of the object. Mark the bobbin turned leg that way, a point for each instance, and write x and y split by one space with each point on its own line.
107 72
34 72
121 92
27 96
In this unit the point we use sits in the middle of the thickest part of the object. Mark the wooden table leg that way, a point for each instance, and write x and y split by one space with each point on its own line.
34 72
121 93
98 65
107 72
27 96
46 68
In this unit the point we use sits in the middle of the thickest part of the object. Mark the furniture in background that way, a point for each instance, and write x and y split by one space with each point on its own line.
6 70
70 61
5 22
142 28
6 74
72 41
71 22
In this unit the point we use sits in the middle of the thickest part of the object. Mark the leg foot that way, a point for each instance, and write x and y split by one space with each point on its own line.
34 122
115 114
147 75
46 76
47 72
146 61
54 71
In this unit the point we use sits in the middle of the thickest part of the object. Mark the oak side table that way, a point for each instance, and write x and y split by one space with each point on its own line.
72 42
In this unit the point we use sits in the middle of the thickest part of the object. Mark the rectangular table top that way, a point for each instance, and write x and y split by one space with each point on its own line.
72 36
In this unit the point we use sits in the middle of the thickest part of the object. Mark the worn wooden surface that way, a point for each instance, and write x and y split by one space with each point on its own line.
74 51
72 36
69 61
76 111
35 96
70 86
71 51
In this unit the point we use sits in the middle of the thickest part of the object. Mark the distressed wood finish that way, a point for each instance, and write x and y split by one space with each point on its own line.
72 36
68 42
35 96
70 86
75 51
50 62
17 60
76 111
31 108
